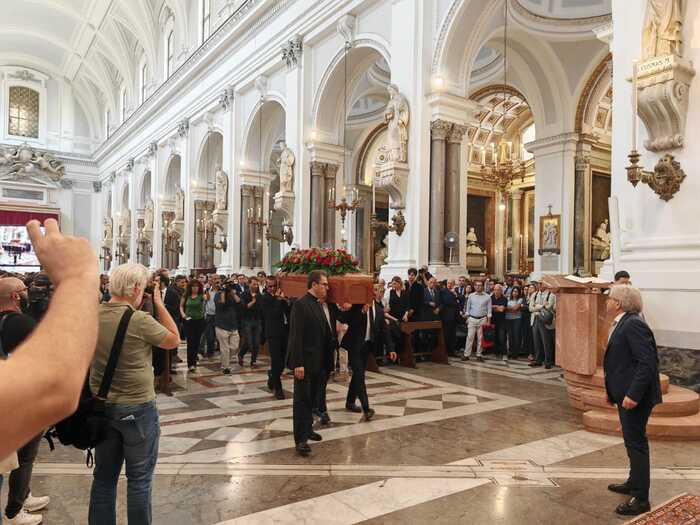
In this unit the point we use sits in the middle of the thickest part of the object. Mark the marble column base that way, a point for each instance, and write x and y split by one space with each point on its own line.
441 271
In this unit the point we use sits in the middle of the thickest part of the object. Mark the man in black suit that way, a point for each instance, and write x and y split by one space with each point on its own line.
632 383
171 301
366 331
275 311
311 338
448 306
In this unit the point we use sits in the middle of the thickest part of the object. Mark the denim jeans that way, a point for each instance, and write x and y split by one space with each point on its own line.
20 478
252 328
132 438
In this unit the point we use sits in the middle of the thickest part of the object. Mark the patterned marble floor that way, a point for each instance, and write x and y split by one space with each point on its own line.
463 443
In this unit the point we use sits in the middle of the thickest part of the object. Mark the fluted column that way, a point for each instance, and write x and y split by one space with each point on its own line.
318 202
517 241
438 132
452 189
246 203
329 223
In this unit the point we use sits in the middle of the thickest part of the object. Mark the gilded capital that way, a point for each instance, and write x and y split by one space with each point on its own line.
331 171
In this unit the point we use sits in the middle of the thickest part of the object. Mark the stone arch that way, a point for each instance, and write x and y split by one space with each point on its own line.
272 127
145 193
327 109
596 92
211 153
172 181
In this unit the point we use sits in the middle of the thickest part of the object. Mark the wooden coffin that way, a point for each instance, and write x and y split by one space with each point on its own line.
353 288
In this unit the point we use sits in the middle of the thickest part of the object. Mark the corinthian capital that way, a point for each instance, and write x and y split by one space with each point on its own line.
456 133
439 129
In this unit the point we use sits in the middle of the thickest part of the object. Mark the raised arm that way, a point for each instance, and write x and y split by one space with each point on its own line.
41 383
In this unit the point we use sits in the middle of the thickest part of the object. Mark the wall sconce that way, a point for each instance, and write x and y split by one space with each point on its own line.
665 180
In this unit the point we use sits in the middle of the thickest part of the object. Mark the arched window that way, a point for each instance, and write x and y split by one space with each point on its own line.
144 76
170 54
205 19
24 112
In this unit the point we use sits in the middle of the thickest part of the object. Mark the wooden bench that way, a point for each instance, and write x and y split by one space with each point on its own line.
439 353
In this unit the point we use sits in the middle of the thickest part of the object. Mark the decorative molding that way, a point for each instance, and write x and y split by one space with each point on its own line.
25 76
152 149
261 84
591 20
25 160
456 134
347 25
554 140
292 51
97 186
130 165
66 184
226 98
439 129
183 128
600 71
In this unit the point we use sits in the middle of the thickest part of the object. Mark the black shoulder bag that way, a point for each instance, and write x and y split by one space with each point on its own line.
86 427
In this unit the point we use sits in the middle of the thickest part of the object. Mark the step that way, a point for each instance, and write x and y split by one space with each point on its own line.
598 380
676 402
684 428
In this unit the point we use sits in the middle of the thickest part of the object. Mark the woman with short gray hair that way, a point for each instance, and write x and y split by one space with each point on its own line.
133 430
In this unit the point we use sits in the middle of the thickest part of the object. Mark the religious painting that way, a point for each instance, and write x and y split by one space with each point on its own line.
600 216
550 234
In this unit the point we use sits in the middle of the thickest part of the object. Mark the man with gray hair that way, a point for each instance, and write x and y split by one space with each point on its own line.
631 366
477 311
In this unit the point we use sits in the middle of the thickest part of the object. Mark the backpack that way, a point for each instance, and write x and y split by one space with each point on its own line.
546 315
86 427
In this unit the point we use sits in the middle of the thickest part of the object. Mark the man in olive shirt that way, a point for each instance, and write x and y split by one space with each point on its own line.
133 431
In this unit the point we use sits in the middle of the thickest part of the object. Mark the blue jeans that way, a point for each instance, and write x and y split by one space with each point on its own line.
252 329
132 438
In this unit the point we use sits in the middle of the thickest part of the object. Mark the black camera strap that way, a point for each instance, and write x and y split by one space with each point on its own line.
114 354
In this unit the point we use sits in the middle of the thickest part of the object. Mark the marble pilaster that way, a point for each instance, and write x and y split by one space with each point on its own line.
247 202
329 222
517 196
318 202
452 191
581 198
438 134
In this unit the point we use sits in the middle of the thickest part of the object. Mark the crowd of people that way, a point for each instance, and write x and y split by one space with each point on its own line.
144 316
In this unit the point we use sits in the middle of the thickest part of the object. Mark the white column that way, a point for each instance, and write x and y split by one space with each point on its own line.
234 186
133 206
411 55
157 259
186 260
554 186
228 166
296 129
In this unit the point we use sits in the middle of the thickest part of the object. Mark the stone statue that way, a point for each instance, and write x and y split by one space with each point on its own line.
286 168
125 223
148 215
179 205
473 243
221 184
381 254
601 242
662 29
107 229
396 115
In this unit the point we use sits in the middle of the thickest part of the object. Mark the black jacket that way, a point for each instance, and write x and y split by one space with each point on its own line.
631 363
416 298
171 301
312 342
275 312
398 305
449 305
356 319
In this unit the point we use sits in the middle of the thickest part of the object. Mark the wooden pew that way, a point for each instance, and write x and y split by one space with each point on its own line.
439 353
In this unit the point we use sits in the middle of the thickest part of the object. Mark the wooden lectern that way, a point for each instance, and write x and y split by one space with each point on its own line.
581 339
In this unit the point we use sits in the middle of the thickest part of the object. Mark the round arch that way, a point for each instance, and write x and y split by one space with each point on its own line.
171 181
272 127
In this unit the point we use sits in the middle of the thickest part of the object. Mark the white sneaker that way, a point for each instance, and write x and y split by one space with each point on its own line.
24 518
33 504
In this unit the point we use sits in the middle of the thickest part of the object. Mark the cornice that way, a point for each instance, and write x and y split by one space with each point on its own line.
583 21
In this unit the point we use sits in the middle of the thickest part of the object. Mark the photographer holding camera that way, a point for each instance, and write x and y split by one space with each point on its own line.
38 296
227 322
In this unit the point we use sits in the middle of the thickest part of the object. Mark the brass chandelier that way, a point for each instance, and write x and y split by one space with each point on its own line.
499 165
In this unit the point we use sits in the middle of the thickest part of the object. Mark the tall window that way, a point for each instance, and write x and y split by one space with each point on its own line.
206 20
108 118
123 104
170 54
144 74
24 112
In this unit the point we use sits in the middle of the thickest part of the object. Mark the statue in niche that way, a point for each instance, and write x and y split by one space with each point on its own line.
107 229
662 29
286 169
601 242
179 205
221 184
473 243
148 215
381 254
396 115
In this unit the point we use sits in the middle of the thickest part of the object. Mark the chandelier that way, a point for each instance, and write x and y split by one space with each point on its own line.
499 165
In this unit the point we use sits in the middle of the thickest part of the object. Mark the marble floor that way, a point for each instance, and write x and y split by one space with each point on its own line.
475 443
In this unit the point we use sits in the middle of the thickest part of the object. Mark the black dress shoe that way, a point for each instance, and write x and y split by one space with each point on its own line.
633 507
353 408
303 449
269 385
465 358
369 414
534 364
315 436
325 418
622 488
279 394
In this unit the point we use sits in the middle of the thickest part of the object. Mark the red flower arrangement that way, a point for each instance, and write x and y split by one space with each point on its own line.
334 262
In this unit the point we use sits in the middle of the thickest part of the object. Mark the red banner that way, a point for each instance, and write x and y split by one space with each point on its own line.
22 217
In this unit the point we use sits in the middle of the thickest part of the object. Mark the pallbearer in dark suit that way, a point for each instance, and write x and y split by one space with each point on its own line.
366 331
275 311
310 340
448 306
632 383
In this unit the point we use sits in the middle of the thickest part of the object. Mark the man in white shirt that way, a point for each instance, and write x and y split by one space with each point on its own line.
543 305
477 311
